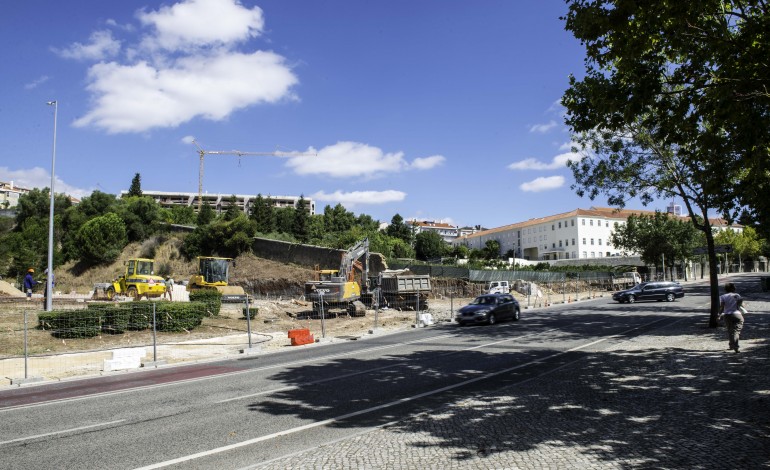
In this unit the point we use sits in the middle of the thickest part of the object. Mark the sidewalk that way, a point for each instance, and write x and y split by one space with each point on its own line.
674 398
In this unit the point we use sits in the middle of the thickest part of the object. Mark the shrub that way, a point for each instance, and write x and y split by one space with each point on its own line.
71 323
211 297
251 312
178 316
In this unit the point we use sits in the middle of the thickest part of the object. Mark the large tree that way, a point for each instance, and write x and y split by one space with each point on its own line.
674 102
657 238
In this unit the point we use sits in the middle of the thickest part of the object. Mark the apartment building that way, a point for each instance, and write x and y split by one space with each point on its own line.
9 195
220 202
448 232
578 234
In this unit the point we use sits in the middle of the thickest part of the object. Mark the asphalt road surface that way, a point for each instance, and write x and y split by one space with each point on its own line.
242 412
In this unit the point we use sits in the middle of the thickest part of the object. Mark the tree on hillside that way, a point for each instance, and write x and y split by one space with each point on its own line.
429 245
141 216
300 224
206 215
337 219
263 214
101 239
136 186
398 229
232 210
674 102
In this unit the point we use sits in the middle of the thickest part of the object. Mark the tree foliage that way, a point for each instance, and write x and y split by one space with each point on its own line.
135 190
429 245
674 102
101 239
656 238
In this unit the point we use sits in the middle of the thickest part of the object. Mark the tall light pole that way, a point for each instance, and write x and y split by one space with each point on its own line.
49 276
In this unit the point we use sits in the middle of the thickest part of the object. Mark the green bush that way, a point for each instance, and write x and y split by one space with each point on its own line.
251 312
179 316
117 318
211 297
71 323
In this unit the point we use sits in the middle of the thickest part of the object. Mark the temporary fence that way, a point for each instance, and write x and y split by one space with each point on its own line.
95 337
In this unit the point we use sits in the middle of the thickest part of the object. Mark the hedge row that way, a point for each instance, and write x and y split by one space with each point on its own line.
117 318
211 297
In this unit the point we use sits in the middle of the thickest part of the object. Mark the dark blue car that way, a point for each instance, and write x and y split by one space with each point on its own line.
489 309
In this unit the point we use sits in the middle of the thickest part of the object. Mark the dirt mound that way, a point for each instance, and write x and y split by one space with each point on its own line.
7 290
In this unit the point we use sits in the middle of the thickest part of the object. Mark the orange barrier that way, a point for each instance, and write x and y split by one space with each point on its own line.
300 337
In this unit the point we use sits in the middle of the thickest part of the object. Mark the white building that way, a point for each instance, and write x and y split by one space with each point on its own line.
578 234
220 202
448 232
9 195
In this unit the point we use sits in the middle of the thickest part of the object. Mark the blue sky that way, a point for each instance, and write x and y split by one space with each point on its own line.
437 109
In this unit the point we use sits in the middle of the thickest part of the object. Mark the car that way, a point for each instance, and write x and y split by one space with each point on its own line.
666 290
489 309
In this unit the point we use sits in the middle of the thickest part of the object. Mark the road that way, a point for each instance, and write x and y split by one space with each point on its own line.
243 412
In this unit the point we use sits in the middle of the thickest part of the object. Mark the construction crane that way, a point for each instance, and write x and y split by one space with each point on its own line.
202 153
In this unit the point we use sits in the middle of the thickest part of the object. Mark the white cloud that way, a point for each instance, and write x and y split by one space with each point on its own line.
347 159
201 23
543 184
542 128
39 178
36 83
354 198
136 98
559 161
101 45
185 67
428 162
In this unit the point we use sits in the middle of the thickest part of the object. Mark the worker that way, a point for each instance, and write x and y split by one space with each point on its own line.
29 282
169 288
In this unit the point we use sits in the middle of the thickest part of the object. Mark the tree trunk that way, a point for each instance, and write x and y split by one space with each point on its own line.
713 278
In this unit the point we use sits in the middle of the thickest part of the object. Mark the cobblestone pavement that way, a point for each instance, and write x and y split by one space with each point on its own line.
671 399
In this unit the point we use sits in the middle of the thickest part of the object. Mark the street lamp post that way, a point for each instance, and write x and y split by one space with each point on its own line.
49 276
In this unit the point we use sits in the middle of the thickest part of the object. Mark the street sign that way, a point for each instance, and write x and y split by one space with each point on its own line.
717 249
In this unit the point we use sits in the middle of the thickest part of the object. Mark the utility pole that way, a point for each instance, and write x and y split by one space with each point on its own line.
202 153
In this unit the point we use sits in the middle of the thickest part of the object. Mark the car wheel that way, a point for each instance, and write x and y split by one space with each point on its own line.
631 299
516 315
110 293
491 319
669 297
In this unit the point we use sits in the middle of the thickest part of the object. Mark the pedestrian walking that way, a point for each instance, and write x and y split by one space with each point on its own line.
730 309
170 288
29 282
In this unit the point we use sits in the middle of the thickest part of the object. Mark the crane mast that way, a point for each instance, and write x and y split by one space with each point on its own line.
202 153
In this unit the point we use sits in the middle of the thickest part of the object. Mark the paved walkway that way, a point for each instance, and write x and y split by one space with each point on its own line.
674 398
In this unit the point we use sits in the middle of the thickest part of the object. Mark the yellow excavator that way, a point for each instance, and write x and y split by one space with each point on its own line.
340 289
214 273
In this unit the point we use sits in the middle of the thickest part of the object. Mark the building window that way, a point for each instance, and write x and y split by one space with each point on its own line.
573 224
554 245
559 224
593 254
566 255
559 243
600 241
600 254
585 254
583 221
573 242
584 241
592 241
553 227
592 222
607 223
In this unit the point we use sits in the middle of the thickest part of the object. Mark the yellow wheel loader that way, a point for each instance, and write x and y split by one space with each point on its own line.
139 280
214 273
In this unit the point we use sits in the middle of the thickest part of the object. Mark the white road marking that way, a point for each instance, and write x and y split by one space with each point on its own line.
400 401
61 432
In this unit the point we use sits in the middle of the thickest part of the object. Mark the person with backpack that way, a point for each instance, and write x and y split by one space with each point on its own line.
730 306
